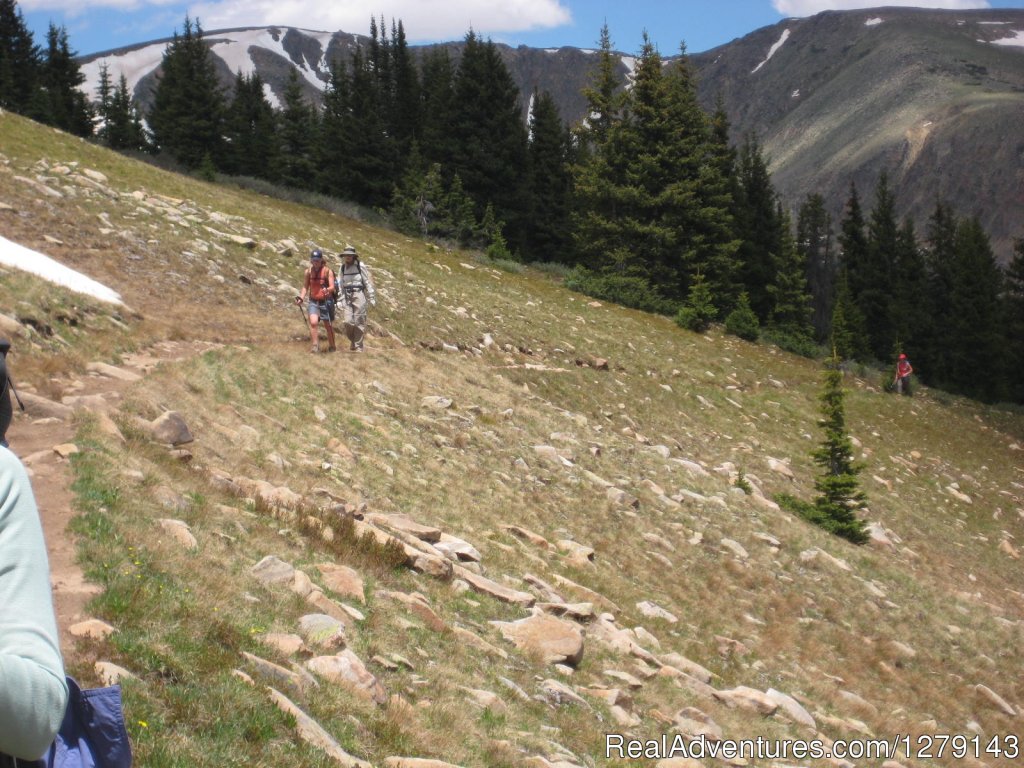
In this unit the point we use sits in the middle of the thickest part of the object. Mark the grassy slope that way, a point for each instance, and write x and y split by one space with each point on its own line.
183 618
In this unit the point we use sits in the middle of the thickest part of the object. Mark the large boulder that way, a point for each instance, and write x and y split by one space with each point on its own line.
347 668
555 640
170 428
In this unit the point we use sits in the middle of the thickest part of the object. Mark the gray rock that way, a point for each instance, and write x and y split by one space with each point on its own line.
273 570
171 428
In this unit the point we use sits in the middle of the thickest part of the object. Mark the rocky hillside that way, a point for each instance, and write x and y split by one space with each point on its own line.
522 526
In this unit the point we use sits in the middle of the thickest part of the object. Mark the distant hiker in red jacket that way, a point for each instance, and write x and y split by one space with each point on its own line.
903 371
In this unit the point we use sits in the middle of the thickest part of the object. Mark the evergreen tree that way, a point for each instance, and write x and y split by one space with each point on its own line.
550 182
460 216
405 118
372 161
699 311
654 209
251 130
791 302
604 99
758 227
123 129
62 103
848 333
104 93
188 107
335 139
1014 305
933 360
418 203
873 284
437 111
742 321
20 60
910 310
815 246
297 130
839 497
975 331
854 259
490 134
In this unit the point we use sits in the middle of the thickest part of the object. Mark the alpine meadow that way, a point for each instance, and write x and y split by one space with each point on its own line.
620 464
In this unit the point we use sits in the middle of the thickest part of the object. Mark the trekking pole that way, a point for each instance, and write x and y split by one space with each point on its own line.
303 313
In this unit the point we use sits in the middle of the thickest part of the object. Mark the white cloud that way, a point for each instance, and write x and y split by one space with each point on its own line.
80 7
422 20
811 7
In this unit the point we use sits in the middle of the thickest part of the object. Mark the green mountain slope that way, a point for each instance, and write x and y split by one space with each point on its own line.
931 97
604 495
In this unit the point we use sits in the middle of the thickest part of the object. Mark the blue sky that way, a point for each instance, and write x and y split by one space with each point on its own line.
97 25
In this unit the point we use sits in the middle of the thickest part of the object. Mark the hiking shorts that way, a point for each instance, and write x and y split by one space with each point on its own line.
322 309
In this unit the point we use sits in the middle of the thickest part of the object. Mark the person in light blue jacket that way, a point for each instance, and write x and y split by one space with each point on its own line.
33 690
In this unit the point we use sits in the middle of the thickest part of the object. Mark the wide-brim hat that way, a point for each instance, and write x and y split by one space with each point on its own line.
349 250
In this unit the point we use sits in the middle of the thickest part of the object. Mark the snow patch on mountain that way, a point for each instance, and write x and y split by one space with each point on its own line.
873 22
19 257
1016 40
134 65
773 50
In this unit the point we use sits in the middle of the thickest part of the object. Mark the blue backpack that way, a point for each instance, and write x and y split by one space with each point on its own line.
93 734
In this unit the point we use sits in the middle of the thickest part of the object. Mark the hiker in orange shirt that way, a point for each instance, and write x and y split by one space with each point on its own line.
903 371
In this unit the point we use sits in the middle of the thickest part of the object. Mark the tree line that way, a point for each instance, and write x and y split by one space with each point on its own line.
647 202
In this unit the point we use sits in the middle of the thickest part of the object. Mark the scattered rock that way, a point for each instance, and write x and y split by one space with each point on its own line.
346 668
287 643
322 630
435 401
92 628
694 724
277 674
653 611
559 693
791 708
576 554
343 580
995 700
38 407
819 557
748 698
486 586
273 570
112 372
405 524
171 428
555 640
312 733
180 532
111 674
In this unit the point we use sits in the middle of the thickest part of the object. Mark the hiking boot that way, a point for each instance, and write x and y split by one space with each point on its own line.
332 348
315 349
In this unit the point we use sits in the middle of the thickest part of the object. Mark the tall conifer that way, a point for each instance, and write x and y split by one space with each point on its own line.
61 102
550 183
19 60
490 134
814 242
187 118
